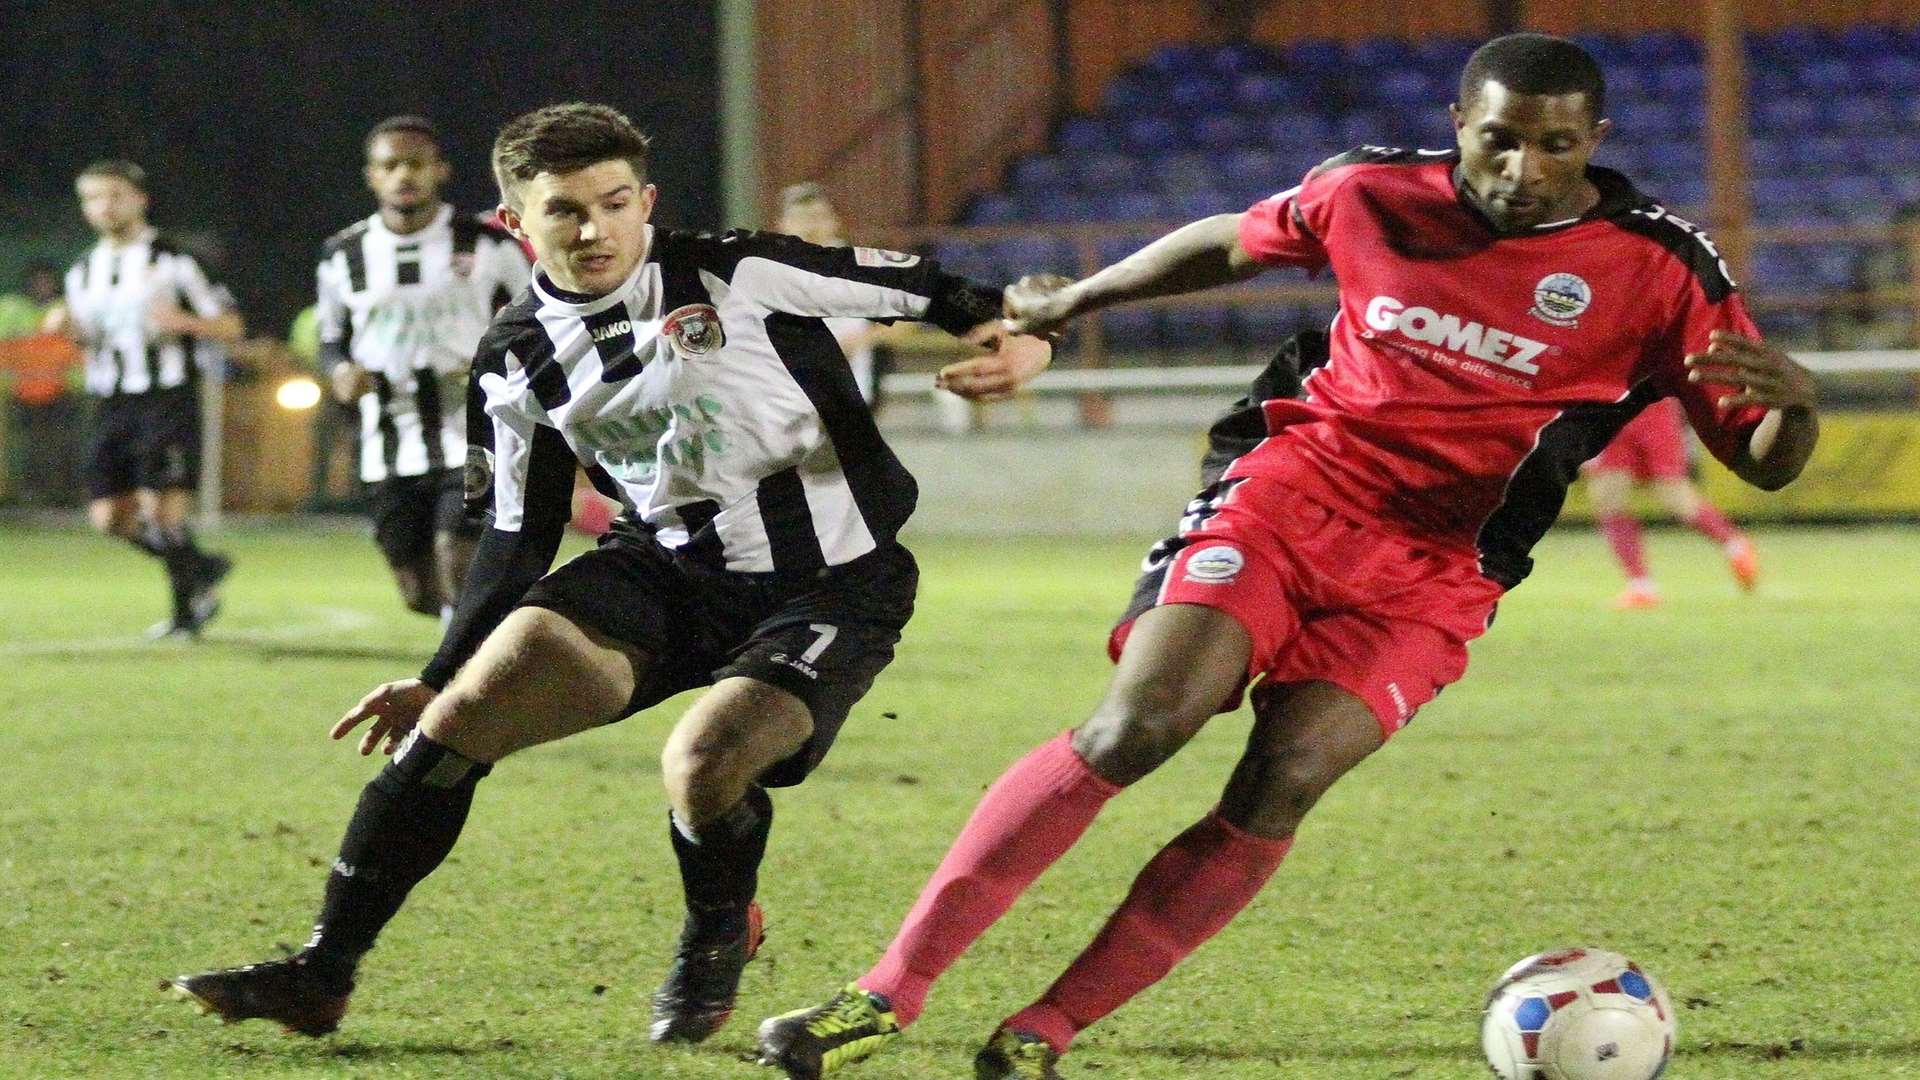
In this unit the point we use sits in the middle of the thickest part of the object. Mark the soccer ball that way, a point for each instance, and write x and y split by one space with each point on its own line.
1577 1014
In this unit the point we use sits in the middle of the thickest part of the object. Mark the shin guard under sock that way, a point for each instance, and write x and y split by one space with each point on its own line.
720 863
407 820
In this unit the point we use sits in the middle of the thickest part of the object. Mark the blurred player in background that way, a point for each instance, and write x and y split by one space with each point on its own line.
404 296
694 374
143 311
1505 309
1652 449
806 212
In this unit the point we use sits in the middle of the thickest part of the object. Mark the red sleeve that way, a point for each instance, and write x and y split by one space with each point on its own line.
1289 229
1724 431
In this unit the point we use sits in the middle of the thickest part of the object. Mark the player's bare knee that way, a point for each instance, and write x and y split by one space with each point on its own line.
1127 739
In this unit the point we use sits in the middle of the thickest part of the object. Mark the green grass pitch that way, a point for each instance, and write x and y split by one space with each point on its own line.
1723 789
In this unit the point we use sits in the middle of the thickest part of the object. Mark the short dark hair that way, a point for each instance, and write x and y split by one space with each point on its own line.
117 167
563 139
1535 64
410 124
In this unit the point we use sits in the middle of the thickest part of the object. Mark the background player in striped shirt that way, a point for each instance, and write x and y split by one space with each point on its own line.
1504 310
696 378
1652 449
143 311
404 296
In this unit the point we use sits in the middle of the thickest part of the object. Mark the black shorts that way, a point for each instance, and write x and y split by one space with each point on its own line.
145 442
408 511
822 638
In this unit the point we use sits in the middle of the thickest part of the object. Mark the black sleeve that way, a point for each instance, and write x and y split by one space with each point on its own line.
507 563
860 282
1244 424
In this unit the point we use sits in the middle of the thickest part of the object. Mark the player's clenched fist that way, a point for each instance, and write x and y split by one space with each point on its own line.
1038 303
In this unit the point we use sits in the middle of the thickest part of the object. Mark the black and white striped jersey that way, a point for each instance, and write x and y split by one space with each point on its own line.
109 294
709 395
410 309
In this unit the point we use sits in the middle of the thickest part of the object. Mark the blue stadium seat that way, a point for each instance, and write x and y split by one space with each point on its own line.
1129 329
1678 190
1367 127
1178 58
1781 268
1223 131
1204 202
1380 54
1242 58
1084 133
1264 325
1132 204
1035 254
1443 57
1647 118
1832 266
1782 189
1317 54
1664 47
1200 94
1197 328
1675 155
971 258
1179 173
1789 325
1151 135
1797 44
1041 174
1862 113
1111 249
1135 92
993 208
1827 75
1058 208
1608 50
1264 92
1408 88
1787 114
1678 81
1256 173
1866 40
1288 130
1105 170
1898 73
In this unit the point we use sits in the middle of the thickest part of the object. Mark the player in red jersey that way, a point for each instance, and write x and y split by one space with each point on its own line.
1505 309
1652 449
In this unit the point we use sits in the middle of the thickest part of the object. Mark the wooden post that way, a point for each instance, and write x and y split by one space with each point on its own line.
1729 193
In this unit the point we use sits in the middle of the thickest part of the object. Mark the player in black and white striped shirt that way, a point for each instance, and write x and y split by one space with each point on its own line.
142 311
404 296
697 378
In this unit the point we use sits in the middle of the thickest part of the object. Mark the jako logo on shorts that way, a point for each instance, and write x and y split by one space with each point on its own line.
1450 332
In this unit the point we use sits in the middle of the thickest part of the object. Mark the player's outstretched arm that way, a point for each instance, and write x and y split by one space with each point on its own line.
1192 257
1760 374
393 707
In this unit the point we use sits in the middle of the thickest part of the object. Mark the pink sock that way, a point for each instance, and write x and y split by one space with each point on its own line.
1189 892
1623 534
1027 819
1708 521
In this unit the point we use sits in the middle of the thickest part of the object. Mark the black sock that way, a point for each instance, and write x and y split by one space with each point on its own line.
408 819
720 864
147 539
184 561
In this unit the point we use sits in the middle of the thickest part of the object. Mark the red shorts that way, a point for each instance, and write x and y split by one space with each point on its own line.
1325 598
1653 445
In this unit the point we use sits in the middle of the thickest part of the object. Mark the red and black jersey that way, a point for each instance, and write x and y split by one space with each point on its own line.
1471 372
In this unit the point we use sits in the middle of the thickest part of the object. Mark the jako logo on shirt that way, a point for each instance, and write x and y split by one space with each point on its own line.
1451 332
613 330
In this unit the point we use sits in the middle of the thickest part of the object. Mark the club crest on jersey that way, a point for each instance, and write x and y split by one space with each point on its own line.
695 329
1560 299
866 256
1215 565
478 474
463 264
